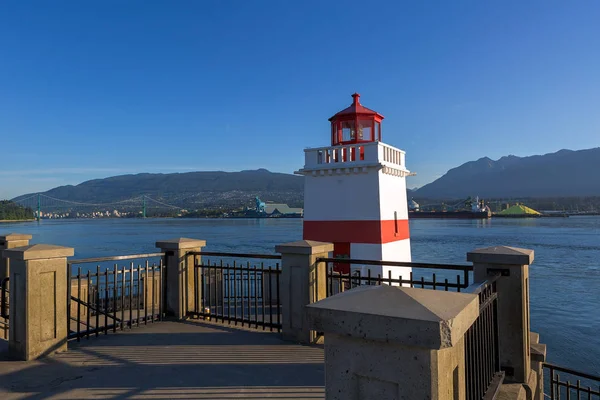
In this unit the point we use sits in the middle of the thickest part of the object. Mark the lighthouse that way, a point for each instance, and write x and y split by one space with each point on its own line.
355 193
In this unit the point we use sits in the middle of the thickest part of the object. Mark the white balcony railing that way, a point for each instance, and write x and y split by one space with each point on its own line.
354 155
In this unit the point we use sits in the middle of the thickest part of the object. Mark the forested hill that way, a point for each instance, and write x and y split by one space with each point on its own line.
190 190
10 211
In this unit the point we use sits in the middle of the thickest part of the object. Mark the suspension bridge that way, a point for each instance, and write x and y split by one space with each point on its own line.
44 206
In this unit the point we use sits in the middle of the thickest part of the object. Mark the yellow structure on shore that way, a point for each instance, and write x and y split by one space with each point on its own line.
519 211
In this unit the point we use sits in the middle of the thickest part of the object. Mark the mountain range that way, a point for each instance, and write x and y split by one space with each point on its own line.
565 173
188 190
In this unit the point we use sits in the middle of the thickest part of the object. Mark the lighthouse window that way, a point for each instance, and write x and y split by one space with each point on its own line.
348 131
365 130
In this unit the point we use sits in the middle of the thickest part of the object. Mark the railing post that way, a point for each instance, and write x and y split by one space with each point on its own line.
513 305
389 342
179 284
303 281
10 241
38 300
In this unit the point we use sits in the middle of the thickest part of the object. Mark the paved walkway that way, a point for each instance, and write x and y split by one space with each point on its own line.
171 360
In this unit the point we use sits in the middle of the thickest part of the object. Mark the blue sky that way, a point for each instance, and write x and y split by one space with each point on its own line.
100 88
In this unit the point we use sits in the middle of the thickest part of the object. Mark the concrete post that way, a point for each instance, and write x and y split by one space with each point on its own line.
303 281
180 291
38 300
538 358
10 241
513 305
389 342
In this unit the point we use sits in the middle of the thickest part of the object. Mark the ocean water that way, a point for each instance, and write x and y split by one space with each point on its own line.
564 278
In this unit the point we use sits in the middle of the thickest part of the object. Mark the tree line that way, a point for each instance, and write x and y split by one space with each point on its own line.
13 211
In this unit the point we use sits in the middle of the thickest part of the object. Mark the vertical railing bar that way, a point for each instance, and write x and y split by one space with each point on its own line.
278 275
137 298
222 271
209 289
255 298
69 294
434 281
270 300
446 284
214 303
422 282
153 294
411 278
123 298
115 287
329 269
97 300
79 304
264 304
235 292
248 296
89 301
552 383
458 283
197 290
162 303
146 292
229 294
222 286
106 302
131 265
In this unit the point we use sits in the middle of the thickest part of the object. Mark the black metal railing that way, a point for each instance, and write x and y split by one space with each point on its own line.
4 308
422 275
5 299
245 293
483 376
112 297
566 383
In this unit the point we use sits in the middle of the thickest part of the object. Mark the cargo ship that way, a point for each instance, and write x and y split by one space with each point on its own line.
478 211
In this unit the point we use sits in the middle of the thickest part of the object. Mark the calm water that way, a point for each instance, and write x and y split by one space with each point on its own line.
565 277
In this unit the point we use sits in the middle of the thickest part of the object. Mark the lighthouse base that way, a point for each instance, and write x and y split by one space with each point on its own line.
393 251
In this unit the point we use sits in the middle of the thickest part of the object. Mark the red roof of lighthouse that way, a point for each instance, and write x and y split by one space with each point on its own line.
355 109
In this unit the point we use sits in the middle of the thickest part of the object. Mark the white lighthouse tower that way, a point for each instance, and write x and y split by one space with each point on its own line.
355 193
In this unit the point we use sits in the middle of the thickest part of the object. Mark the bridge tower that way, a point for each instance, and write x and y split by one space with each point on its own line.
355 193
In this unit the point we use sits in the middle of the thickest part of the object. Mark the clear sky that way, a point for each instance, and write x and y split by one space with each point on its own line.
90 89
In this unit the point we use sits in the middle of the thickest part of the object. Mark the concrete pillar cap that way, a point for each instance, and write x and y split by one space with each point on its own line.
307 247
501 255
180 244
38 252
15 236
427 318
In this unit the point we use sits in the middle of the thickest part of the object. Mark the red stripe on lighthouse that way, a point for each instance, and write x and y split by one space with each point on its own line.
356 231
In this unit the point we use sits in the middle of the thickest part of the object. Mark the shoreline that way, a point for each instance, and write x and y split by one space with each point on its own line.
16 220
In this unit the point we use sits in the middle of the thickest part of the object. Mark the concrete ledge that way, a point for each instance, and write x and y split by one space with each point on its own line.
38 252
501 255
180 244
15 236
304 247
538 352
534 337
512 391
413 317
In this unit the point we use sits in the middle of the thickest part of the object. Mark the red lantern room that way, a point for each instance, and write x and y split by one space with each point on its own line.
355 124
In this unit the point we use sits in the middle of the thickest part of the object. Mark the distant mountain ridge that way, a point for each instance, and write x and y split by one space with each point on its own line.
190 189
566 173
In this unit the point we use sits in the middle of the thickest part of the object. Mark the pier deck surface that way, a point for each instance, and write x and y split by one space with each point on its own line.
171 360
